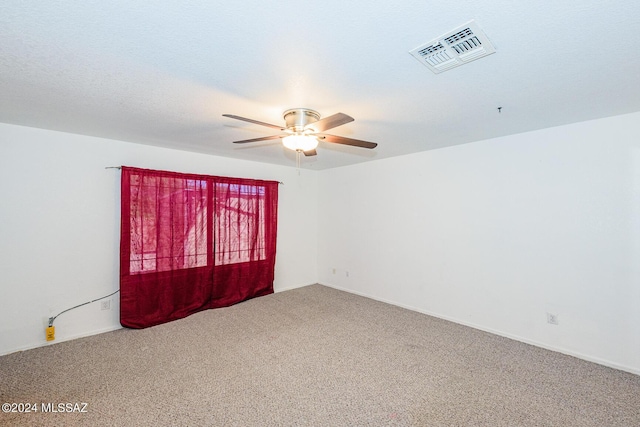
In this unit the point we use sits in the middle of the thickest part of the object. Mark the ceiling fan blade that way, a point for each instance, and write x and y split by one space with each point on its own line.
264 138
310 152
347 141
244 119
331 122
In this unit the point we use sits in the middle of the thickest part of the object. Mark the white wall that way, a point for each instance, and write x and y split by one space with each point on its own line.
497 233
59 222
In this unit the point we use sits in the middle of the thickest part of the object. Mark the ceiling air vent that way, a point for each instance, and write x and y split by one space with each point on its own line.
464 44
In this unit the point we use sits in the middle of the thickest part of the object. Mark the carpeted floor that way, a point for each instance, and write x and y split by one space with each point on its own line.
313 356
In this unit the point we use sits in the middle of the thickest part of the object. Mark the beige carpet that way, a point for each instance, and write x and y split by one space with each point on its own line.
314 356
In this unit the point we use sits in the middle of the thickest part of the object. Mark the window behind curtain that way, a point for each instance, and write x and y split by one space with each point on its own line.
168 219
239 223
192 242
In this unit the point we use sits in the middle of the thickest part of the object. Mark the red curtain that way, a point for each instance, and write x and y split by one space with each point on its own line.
192 242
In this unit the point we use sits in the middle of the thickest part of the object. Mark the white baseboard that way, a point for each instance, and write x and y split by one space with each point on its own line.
293 287
99 331
582 356
68 338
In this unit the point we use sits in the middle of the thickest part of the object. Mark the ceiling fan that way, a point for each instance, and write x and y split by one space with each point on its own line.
304 129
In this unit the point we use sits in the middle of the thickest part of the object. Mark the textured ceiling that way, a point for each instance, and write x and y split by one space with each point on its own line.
163 73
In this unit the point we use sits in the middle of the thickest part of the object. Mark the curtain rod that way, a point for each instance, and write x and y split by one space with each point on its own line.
120 167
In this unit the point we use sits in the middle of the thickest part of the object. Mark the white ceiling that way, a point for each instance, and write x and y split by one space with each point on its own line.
163 73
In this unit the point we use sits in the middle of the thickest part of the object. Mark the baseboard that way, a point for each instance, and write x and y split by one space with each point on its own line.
68 338
578 355
289 288
588 358
101 331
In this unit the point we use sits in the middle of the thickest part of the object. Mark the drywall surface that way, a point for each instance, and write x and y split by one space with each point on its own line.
498 233
60 222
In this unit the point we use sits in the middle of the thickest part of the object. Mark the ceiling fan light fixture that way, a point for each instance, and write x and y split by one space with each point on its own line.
300 142
303 130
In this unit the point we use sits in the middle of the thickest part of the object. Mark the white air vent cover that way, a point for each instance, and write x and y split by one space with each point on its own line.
464 44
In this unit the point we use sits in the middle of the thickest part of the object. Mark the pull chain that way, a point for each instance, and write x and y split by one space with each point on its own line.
298 161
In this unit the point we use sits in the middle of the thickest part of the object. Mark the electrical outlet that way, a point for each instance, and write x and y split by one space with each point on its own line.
105 305
552 318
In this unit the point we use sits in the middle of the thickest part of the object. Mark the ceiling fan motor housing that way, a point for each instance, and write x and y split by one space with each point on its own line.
297 118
